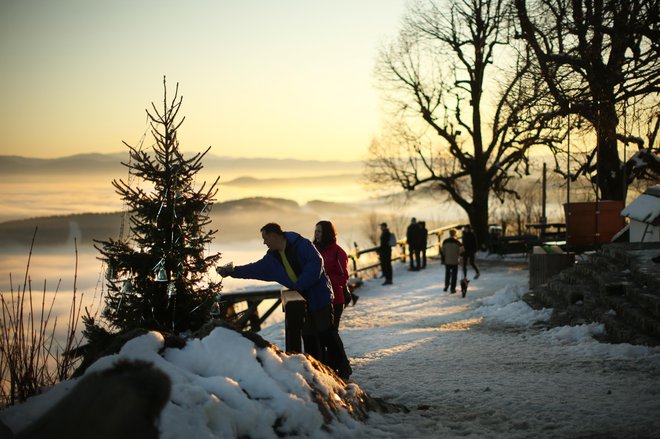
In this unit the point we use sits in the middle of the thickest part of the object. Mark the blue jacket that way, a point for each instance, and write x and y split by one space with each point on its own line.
313 284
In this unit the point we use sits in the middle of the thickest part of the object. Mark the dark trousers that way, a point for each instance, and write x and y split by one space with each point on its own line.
335 355
451 273
469 258
338 309
386 267
424 257
415 259
322 341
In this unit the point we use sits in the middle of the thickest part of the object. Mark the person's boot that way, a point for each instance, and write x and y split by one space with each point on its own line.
345 371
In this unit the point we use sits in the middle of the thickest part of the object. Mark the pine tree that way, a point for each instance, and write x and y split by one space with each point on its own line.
156 277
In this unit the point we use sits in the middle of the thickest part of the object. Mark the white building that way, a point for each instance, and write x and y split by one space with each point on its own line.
644 214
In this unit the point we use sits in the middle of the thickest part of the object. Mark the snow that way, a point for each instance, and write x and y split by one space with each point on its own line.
481 366
645 208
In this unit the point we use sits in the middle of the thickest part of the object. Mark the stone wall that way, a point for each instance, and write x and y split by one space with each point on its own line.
618 285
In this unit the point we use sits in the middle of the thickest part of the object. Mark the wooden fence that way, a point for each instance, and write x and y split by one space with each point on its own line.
363 265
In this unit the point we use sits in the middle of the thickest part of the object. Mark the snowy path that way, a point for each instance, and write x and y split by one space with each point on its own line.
466 375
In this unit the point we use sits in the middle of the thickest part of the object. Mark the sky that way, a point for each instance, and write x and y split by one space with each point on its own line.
474 367
260 78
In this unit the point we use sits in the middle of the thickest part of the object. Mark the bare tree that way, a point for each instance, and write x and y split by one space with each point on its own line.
464 118
370 227
599 58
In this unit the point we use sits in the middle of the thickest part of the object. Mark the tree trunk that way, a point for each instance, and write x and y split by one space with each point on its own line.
609 173
478 213
479 221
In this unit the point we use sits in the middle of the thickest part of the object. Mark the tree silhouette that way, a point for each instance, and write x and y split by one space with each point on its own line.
598 59
156 279
467 106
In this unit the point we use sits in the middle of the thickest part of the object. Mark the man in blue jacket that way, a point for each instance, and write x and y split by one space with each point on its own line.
294 262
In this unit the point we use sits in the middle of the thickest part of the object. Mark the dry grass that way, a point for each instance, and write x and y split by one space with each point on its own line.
32 358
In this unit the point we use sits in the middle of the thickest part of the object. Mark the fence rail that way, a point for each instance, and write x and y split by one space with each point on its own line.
362 261
364 264
401 255
248 318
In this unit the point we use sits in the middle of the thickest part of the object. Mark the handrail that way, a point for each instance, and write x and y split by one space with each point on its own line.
225 301
401 243
270 293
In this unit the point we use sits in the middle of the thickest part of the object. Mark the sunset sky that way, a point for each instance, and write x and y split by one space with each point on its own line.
260 78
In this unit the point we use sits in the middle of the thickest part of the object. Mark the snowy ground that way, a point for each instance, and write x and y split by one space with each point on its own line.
478 367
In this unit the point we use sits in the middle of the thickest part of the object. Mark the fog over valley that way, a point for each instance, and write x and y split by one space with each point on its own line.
72 199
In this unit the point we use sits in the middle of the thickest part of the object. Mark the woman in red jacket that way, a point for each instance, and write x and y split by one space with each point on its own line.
335 262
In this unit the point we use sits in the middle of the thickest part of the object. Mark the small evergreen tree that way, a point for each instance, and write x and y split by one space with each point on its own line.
156 277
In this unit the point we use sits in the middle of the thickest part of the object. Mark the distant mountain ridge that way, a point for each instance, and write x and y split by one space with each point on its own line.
236 220
111 163
252 181
12 164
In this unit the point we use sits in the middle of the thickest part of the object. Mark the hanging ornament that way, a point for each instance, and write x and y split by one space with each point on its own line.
127 288
161 274
170 290
109 273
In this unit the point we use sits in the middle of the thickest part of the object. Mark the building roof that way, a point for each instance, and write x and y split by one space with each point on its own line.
646 207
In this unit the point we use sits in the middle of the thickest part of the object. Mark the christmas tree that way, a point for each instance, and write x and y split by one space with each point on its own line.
156 277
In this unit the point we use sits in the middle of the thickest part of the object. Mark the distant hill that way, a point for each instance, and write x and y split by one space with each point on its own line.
227 167
285 181
81 163
235 220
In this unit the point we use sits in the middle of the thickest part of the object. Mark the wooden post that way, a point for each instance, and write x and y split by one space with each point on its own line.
544 265
544 218
294 317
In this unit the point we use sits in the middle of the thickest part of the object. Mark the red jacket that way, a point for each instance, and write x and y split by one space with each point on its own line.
335 262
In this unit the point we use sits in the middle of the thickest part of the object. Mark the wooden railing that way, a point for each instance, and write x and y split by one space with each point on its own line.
434 242
362 261
247 319
364 264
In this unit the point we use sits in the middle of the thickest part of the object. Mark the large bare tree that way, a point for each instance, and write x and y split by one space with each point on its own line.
600 58
464 118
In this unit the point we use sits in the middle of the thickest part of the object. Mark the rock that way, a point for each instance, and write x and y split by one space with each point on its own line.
123 402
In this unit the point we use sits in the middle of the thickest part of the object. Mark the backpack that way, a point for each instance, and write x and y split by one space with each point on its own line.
392 239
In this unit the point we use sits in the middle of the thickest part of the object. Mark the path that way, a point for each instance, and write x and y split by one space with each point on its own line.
463 376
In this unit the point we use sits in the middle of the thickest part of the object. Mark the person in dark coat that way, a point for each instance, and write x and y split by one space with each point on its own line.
423 241
470 247
335 262
294 262
413 236
385 254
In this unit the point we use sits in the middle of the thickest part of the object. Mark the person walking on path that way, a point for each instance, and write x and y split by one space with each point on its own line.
423 241
335 262
450 255
294 262
385 254
470 247
413 236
